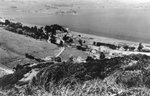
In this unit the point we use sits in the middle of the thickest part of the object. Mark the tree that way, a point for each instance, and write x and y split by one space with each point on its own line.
61 43
89 58
52 30
19 31
102 55
39 34
131 48
26 28
18 25
47 30
7 22
58 27
65 38
35 29
126 47
53 39
35 32
80 42
140 47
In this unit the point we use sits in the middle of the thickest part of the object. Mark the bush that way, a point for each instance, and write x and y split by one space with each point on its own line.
130 79
55 77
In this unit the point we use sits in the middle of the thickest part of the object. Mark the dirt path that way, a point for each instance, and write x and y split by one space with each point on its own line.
62 50
4 70
8 71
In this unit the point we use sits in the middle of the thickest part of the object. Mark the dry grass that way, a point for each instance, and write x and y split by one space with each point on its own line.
94 87
14 46
72 52
98 78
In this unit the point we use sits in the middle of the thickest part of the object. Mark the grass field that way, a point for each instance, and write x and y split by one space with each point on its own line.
14 46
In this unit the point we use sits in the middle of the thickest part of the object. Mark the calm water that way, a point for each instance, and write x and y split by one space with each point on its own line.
127 24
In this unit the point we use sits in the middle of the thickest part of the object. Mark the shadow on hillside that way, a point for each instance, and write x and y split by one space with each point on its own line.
64 73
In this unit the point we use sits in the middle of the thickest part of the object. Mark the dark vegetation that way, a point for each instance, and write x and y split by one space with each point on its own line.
83 48
34 32
140 47
112 46
34 58
129 74
105 44
67 39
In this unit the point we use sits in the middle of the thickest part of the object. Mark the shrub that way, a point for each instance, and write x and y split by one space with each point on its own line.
130 79
73 77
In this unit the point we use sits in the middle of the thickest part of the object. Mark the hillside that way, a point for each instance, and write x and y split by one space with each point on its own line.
14 46
41 55
78 71
120 76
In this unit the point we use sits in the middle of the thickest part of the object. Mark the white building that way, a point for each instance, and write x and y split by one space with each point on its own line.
2 20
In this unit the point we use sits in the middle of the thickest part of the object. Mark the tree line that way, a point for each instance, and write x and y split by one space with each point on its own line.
34 31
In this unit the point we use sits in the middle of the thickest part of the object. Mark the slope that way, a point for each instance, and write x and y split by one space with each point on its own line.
14 46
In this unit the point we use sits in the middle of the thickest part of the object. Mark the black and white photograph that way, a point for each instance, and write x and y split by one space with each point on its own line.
74 47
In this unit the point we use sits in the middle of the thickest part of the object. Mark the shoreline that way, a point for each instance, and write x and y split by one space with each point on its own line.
108 39
96 38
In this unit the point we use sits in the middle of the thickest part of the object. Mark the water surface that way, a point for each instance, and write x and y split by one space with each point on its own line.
126 24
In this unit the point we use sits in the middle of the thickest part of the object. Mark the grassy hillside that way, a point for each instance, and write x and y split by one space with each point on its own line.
14 46
120 76
68 52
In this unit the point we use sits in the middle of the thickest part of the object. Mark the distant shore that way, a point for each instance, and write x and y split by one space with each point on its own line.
108 39
94 37
121 36
129 24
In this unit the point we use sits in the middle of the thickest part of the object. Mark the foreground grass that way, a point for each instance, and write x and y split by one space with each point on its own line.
120 76
89 88
94 87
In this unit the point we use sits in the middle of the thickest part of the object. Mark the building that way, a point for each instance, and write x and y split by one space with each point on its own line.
2 20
